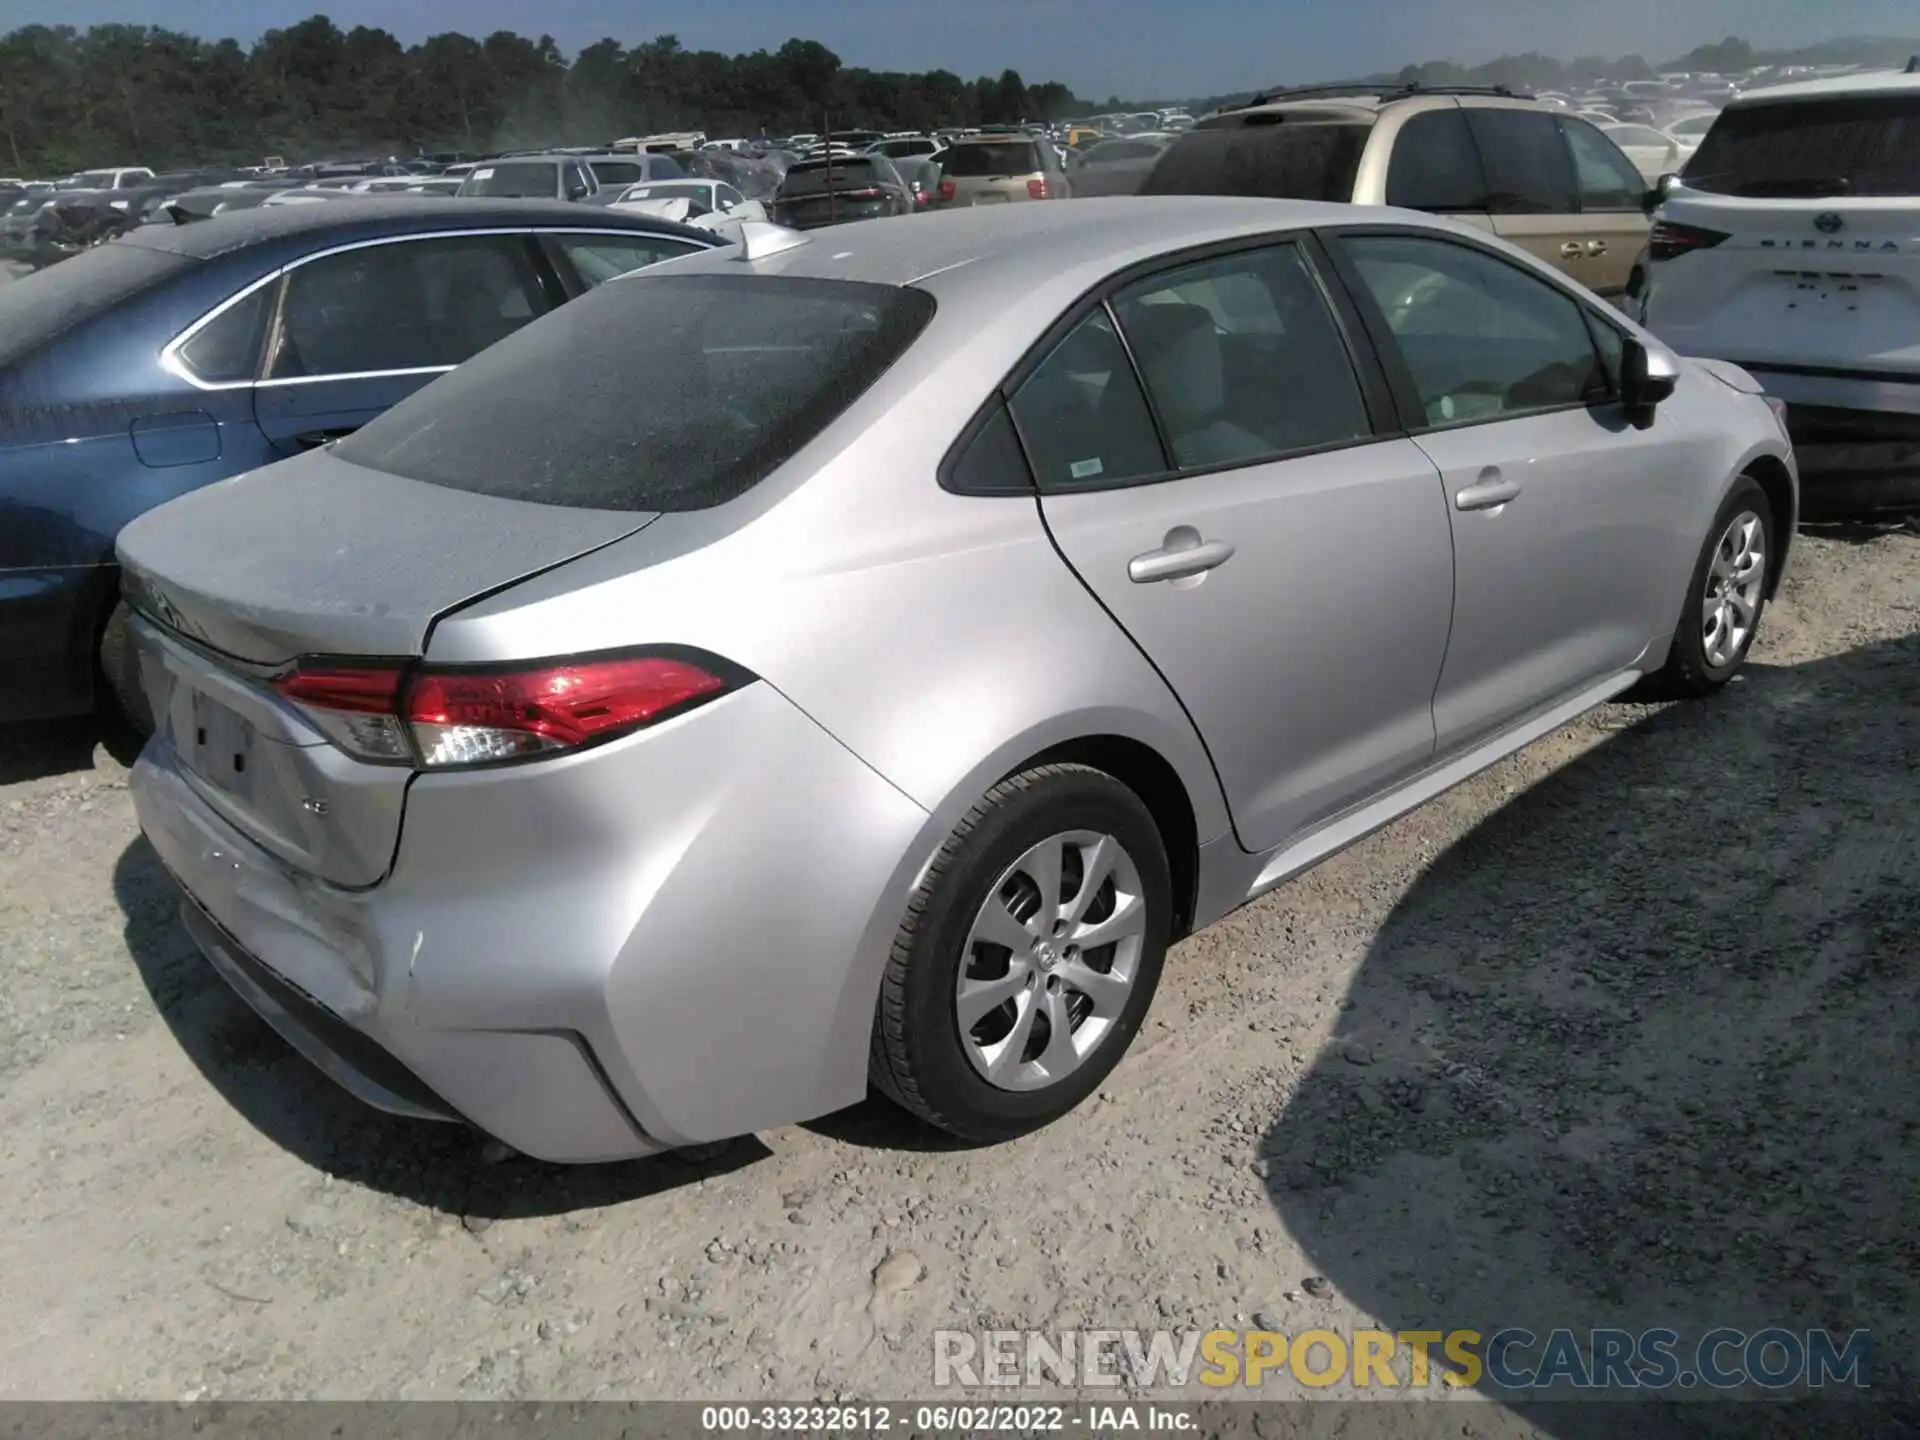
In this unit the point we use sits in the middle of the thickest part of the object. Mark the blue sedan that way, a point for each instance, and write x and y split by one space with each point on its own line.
176 356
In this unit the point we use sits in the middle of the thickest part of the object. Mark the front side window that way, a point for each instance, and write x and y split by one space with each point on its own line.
1242 358
670 392
1481 338
227 348
618 172
599 258
1608 180
1436 166
1082 417
405 305
1528 169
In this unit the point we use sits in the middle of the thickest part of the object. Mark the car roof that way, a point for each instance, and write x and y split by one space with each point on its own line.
370 217
1022 242
1870 82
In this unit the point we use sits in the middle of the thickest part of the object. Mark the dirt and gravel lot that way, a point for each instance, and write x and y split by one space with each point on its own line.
1621 1033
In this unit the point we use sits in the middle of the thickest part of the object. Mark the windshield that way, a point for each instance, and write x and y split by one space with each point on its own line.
971 161
1292 160
536 180
1851 145
650 393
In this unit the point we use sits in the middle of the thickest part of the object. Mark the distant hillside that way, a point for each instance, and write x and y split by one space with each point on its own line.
1533 71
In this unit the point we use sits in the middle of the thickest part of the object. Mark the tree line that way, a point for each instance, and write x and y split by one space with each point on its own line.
132 94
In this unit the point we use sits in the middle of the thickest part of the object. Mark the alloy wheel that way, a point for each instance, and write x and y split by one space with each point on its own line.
1730 604
1051 960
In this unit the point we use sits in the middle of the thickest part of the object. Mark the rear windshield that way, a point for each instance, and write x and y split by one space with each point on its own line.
1291 160
811 179
1860 145
650 393
38 308
536 181
618 172
971 161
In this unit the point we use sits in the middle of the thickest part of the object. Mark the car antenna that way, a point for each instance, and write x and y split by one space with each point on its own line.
759 239
1913 66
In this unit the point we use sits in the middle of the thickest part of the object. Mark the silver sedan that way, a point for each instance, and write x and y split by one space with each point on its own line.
853 660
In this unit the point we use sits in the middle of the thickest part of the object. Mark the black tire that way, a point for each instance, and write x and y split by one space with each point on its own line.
126 699
1688 674
918 1059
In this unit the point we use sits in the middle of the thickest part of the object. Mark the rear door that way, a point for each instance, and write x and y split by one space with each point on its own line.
1532 191
1613 208
360 329
1273 549
1435 166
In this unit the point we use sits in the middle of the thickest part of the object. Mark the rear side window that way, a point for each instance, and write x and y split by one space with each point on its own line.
1435 165
1082 417
1528 169
227 348
1607 178
1862 145
971 162
510 180
658 393
1242 359
407 305
1289 160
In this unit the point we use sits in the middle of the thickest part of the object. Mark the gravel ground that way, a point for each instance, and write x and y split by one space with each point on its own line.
1623 1032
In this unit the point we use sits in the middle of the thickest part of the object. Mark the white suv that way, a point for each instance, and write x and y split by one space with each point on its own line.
1791 246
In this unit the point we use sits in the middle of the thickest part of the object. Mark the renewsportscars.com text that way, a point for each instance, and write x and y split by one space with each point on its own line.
1508 1359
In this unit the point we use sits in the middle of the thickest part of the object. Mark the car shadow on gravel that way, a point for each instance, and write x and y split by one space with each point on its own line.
40 749
1640 1050
446 1167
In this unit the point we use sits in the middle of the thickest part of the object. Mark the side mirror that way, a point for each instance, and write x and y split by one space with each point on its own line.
576 192
1647 378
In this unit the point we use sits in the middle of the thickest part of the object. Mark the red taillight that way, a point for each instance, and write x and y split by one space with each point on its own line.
1036 189
448 717
1670 239
349 689
948 189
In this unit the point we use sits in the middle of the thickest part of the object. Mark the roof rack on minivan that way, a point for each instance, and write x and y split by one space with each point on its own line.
1395 90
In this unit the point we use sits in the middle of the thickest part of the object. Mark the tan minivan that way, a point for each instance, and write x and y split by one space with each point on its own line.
1539 177
996 169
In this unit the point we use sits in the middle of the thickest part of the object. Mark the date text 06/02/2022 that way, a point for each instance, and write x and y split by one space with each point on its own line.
942 1419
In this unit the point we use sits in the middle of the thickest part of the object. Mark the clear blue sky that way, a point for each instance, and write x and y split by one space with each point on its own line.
1136 48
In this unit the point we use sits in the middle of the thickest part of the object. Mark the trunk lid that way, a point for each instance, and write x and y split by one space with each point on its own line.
315 556
1830 282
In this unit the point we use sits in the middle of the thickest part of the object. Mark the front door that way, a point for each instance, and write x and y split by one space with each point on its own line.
1563 514
1284 566
360 329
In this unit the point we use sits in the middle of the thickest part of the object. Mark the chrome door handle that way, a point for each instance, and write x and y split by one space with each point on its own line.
1177 561
1572 250
1596 247
1487 495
